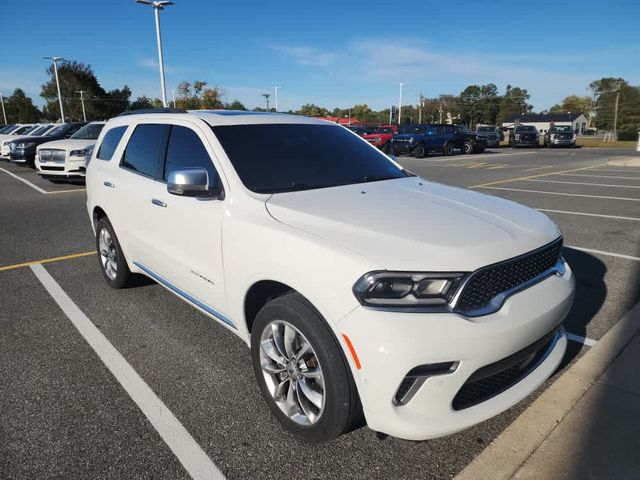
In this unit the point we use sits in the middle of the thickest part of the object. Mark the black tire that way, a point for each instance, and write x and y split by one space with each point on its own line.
386 148
479 149
420 151
467 147
447 149
123 275
342 409
391 150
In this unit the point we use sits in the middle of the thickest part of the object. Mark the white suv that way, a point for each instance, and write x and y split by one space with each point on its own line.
360 288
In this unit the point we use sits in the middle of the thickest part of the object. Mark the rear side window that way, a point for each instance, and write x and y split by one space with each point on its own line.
110 142
145 149
185 150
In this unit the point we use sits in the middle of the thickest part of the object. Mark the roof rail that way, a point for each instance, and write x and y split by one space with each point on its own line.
153 110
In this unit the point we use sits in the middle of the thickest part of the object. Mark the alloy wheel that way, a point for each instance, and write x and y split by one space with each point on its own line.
108 254
292 372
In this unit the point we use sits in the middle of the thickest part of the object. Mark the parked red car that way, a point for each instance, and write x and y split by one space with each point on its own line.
380 138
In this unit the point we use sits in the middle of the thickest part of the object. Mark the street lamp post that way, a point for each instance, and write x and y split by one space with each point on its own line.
157 6
400 105
84 114
4 114
173 93
55 60
275 89
266 96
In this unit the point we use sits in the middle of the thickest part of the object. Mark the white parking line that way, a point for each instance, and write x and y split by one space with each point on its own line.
473 157
27 182
590 342
185 448
602 252
616 217
598 176
617 170
562 193
583 183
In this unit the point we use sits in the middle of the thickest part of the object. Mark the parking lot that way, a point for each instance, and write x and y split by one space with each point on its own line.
64 413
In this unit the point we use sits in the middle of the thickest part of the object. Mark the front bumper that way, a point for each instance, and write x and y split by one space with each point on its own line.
562 142
390 344
73 167
400 148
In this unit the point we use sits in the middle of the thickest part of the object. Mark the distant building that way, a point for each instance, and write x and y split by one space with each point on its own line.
542 122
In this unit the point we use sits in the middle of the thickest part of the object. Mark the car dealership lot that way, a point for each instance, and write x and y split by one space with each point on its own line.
64 414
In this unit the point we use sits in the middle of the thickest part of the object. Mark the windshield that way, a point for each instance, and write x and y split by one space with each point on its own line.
384 130
59 130
487 129
7 128
22 130
526 128
41 130
463 129
417 129
276 158
88 132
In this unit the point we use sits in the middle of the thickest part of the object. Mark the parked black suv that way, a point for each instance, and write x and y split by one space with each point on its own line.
23 150
422 139
490 134
524 136
560 136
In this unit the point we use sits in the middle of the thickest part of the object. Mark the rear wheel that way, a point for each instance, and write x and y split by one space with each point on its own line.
420 151
110 256
301 370
447 149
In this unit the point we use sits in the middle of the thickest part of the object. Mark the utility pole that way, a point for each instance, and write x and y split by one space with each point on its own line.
391 115
349 115
440 113
276 97
615 113
54 60
267 95
84 114
420 109
4 114
400 105
173 93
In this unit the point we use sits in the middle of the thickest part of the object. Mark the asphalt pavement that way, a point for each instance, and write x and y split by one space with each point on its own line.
64 414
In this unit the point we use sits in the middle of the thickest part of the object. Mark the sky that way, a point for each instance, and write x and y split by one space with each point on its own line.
331 53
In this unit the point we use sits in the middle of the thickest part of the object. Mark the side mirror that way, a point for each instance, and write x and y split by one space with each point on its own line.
192 182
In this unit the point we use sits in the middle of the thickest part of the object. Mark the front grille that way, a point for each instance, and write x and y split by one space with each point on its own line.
52 155
566 136
493 379
488 282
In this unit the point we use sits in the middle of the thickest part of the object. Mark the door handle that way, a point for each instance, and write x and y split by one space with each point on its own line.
107 183
159 203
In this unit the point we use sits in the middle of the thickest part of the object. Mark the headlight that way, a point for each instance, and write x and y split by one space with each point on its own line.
406 289
80 153
411 140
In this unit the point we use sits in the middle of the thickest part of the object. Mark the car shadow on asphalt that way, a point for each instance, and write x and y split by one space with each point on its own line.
591 292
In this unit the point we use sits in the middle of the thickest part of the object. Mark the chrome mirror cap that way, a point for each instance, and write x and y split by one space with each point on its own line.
188 182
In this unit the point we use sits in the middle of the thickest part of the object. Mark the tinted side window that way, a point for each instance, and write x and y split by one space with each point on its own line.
185 150
110 142
145 149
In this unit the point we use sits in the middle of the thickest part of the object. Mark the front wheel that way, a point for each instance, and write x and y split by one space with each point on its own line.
301 370
386 148
420 151
467 147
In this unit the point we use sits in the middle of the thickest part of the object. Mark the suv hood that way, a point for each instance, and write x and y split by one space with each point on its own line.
416 225
69 144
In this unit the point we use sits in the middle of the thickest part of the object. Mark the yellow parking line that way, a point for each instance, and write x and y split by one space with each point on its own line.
68 191
533 176
46 260
538 168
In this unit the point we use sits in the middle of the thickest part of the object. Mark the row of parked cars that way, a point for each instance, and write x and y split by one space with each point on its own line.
422 139
56 150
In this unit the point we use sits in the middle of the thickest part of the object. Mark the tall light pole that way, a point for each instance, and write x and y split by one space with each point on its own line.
55 60
84 114
173 93
275 89
400 105
390 114
4 114
615 113
157 6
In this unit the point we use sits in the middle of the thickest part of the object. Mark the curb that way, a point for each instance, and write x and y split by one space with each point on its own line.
626 162
511 449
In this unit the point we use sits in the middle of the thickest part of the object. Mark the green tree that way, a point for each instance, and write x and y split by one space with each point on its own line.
236 105
514 102
198 96
573 104
20 108
606 90
311 110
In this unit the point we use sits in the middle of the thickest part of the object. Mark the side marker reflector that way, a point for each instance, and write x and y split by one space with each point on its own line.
352 350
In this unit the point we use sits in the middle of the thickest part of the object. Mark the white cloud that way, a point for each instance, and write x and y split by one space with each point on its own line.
307 56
